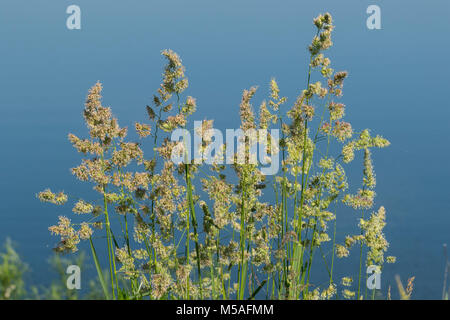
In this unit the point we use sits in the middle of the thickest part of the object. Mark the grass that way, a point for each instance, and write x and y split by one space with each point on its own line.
16 278
259 235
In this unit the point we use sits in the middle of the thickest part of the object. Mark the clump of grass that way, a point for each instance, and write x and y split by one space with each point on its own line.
170 239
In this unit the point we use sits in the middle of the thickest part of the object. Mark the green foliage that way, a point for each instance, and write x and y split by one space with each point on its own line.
12 270
245 246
